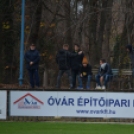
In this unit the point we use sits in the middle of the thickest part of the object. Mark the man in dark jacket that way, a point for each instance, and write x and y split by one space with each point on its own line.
130 51
85 73
104 74
63 60
32 62
76 63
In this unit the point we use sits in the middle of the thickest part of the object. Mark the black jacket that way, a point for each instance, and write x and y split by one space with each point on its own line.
76 62
131 54
63 58
106 71
32 55
85 71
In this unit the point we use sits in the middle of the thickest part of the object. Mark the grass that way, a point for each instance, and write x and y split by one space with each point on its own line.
63 128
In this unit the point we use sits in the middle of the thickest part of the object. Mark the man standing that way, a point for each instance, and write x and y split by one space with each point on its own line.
32 63
63 60
130 51
104 74
76 64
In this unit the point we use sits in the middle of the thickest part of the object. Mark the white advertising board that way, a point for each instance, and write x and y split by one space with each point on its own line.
31 104
3 104
72 104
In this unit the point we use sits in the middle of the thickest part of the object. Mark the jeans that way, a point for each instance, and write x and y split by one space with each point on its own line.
74 76
61 72
80 80
105 77
34 77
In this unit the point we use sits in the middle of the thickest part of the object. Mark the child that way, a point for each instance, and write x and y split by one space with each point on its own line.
85 73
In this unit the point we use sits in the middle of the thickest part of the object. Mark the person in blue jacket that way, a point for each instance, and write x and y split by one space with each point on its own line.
32 63
104 74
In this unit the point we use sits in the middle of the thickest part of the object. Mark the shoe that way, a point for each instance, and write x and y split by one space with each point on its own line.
98 87
87 87
79 87
103 87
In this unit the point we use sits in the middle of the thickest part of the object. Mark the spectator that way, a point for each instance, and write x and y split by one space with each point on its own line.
85 73
76 63
63 60
130 51
103 75
32 62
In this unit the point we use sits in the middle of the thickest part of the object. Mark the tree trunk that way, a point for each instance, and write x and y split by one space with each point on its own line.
67 23
35 12
7 40
107 32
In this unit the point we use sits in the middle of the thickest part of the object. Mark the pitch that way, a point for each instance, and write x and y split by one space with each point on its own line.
64 128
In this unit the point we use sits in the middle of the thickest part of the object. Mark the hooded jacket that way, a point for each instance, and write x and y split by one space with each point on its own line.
131 54
32 56
105 70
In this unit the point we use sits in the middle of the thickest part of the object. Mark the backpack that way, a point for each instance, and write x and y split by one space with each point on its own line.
63 60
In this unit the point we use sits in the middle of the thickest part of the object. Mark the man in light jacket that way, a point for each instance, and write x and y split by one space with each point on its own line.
104 74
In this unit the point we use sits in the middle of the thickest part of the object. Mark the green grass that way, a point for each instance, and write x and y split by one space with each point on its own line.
63 128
